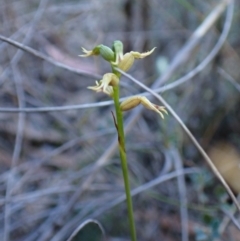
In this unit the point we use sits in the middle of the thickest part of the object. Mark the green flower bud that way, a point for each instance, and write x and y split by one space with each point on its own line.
117 48
106 52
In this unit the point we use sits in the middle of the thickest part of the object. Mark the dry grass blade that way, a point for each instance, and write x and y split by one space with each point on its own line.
182 193
190 135
229 78
46 58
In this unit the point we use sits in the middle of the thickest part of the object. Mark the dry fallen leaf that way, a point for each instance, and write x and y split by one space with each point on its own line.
227 160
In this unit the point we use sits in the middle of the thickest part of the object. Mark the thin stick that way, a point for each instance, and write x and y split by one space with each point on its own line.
182 194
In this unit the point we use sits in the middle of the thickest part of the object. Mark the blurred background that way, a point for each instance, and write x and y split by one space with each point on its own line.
61 167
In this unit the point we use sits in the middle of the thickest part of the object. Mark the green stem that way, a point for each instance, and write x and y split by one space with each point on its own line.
121 145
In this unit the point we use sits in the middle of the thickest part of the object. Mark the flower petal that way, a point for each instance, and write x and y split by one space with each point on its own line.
130 103
105 84
127 62
136 100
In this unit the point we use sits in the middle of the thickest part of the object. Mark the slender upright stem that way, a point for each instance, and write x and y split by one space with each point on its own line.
121 145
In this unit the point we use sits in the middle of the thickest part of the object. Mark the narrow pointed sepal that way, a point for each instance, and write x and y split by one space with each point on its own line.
138 55
87 53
